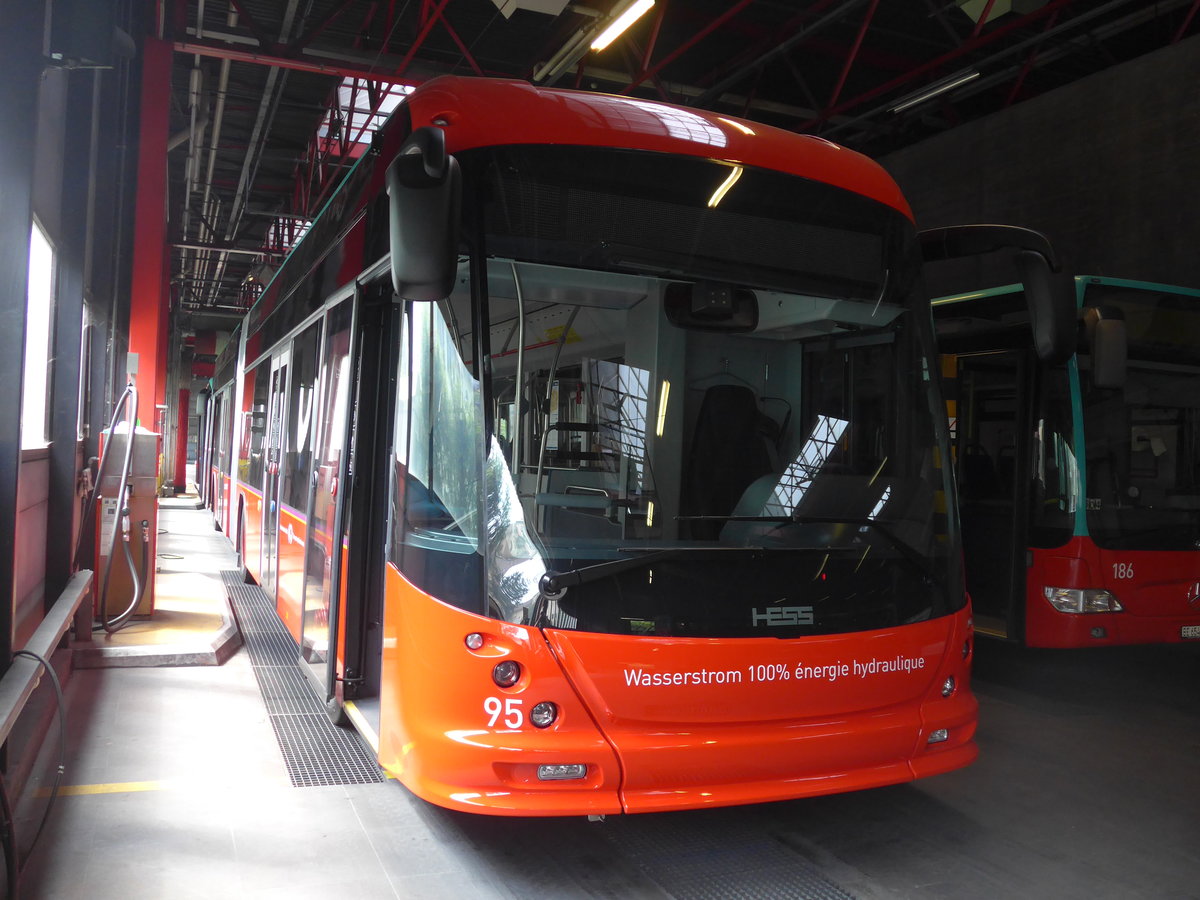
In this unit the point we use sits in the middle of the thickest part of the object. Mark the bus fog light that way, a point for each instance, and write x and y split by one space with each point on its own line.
543 714
506 673
1077 600
948 686
569 772
474 640
936 737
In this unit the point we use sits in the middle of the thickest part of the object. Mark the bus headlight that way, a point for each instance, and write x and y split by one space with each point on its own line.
1082 600
543 714
506 673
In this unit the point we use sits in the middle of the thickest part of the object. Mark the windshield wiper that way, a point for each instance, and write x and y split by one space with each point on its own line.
554 584
910 555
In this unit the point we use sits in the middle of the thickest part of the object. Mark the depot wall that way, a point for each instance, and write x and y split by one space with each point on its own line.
1107 167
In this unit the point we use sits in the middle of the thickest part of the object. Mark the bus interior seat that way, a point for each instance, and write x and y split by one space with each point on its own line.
977 473
579 508
731 447
1006 466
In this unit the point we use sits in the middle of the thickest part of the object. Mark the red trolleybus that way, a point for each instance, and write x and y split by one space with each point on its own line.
592 449
1079 483
216 464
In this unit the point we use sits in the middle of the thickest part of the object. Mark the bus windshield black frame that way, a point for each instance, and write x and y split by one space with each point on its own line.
699 474
1143 439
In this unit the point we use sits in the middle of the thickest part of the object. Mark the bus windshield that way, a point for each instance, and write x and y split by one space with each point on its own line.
710 399
1143 440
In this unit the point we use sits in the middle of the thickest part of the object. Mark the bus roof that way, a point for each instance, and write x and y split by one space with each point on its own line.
482 112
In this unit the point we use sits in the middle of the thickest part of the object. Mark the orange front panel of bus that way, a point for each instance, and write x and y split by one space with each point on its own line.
663 723
707 722
456 739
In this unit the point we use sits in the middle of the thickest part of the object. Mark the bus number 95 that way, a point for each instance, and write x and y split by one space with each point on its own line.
509 707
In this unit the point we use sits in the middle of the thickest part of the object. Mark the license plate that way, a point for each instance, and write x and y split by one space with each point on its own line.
1190 632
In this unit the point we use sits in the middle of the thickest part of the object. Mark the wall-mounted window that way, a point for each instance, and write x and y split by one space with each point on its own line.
39 314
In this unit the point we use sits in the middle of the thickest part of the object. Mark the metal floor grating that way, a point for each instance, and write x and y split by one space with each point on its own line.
315 750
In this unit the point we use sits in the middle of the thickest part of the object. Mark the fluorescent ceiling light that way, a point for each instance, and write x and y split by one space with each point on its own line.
936 89
638 9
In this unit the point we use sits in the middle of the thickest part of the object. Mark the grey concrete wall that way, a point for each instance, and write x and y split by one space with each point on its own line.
1108 168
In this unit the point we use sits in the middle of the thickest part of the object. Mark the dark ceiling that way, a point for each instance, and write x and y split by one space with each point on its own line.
254 83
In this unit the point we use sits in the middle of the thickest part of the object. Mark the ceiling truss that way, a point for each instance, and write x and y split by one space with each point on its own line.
271 100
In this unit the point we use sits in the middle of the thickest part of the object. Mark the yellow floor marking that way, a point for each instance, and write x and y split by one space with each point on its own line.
120 787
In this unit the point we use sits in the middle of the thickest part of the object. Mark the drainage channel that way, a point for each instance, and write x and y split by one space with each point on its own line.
316 751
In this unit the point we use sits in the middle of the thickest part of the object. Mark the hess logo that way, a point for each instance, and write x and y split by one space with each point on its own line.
779 616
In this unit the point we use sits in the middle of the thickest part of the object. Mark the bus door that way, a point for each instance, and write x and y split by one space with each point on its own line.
327 531
991 453
276 404
206 465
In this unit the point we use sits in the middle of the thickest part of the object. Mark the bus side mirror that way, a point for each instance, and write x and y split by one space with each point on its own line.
424 186
1051 308
1107 344
1051 303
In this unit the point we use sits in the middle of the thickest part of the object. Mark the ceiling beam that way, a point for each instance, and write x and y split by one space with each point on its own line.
933 64
858 39
688 44
299 63
724 84
223 248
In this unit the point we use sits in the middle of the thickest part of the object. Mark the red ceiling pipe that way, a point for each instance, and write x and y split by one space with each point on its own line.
862 33
420 39
1028 66
1186 22
983 17
307 38
462 48
687 45
654 29
962 49
296 63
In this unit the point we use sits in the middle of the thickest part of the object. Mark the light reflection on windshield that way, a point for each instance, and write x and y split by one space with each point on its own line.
798 476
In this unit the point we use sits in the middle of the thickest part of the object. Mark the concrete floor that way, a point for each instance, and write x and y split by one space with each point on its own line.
1088 786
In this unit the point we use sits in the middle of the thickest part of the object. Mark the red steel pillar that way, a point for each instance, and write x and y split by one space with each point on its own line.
181 442
149 305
